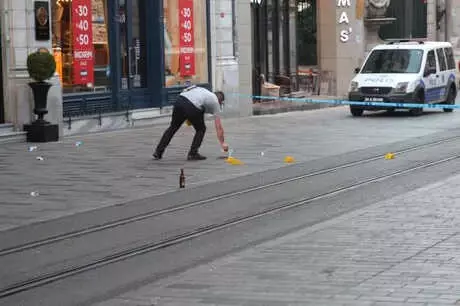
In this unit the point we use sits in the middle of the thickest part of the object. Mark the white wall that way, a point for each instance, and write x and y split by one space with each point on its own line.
454 23
336 56
455 19
431 20
231 72
18 39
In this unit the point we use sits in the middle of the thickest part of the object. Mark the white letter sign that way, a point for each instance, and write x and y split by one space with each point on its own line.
343 19
344 3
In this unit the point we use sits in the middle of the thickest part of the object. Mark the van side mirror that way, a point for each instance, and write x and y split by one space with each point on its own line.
357 70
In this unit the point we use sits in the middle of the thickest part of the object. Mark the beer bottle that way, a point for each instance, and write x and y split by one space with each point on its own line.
182 179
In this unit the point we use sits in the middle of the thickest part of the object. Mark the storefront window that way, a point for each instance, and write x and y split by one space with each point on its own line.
133 44
186 54
80 44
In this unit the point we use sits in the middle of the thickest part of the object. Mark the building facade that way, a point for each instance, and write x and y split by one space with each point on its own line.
348 29
444 15
2 85
118 58
24 27
333 37
274 35
359 21
292 37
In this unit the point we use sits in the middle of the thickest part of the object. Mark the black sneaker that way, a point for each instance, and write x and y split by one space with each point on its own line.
196 156
157 156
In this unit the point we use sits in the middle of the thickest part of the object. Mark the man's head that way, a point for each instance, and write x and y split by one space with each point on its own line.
220 96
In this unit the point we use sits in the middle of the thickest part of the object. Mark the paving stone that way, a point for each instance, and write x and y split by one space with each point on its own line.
116 167
326 265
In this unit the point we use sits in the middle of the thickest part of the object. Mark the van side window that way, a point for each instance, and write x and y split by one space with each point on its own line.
450 58
441 59
430 61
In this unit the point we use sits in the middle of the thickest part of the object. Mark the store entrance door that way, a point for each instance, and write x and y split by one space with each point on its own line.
133 53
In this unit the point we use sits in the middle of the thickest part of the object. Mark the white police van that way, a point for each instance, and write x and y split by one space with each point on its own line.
405 71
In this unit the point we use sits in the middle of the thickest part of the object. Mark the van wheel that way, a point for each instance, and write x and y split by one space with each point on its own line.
450 100
419 110
356 112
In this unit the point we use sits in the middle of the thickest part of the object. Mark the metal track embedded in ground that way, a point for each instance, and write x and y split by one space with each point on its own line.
153 246
140 217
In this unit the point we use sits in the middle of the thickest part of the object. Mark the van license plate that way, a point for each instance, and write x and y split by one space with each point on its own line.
372 99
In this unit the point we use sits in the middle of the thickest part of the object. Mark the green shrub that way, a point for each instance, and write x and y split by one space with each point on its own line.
41 66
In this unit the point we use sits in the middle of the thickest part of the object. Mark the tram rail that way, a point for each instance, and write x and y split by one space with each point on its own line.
151 246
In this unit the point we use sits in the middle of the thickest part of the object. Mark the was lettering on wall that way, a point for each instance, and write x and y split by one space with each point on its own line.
344 20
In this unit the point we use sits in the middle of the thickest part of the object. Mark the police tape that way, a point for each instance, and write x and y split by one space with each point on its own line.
357 103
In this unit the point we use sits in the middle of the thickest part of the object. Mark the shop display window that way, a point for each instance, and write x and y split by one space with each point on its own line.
80 44
185 41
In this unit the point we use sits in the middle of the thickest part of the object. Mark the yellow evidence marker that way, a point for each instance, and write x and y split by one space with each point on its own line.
389 156
289 159
188 123
234 161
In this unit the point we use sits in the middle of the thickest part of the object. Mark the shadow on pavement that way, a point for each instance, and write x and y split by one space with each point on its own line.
400 114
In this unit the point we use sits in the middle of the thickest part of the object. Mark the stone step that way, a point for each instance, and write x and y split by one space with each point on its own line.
146 117
8 135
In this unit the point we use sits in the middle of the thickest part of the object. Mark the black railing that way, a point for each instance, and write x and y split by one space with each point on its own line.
100 105
93 106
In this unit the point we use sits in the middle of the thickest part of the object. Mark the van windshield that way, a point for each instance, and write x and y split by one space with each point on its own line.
394 61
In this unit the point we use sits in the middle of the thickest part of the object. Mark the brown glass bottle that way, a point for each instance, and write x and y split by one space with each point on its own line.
182 179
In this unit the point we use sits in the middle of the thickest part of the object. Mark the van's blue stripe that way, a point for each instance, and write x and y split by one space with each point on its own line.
434 94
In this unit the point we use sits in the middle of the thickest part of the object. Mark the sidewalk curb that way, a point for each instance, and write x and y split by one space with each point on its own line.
297 106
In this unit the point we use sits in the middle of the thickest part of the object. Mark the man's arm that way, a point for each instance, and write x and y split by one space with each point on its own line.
219 129
218 123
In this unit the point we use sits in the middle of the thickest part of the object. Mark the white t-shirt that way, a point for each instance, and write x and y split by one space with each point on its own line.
203 99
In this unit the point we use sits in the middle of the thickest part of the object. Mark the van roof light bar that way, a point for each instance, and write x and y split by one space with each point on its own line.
403 40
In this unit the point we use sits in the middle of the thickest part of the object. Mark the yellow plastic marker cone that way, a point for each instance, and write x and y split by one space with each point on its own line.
289 159
188 123
234 161
389 156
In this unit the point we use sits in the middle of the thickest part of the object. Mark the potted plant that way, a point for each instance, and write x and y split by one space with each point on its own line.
41 67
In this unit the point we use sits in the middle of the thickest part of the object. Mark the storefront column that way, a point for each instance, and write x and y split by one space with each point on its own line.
2 108
286 38
340 42
293 37
243 28
19 41
276 37
224 47
431 20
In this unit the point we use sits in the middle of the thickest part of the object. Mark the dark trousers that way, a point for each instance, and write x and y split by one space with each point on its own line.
184 110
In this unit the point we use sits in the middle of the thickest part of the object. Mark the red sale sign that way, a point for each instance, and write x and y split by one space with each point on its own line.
83 53
187 38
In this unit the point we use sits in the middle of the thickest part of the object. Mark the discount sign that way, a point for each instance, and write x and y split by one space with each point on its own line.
187 39
83 63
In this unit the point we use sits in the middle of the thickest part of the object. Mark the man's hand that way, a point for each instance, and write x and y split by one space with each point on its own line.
224 147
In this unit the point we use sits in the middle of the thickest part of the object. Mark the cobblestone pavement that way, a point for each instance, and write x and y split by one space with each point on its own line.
401 251
117 167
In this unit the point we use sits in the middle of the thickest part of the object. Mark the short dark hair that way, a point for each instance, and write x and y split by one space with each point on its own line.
220 96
